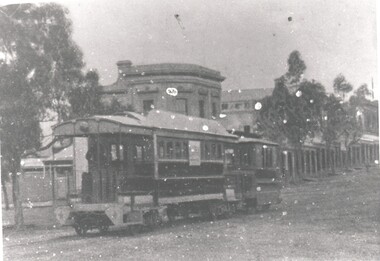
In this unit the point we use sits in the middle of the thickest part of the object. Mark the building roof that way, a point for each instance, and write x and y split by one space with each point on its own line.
254 140
128 70
246 94
131 122
163 72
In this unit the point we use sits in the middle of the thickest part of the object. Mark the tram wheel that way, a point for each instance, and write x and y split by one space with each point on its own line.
134 229
103 228
81 230
171 213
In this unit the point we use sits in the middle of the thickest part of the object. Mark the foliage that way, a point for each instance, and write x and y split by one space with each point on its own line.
296 67
294 116
342 86
85 99
39 64
115 107
362 92
334 115
19 125
353 127
38 39
292 113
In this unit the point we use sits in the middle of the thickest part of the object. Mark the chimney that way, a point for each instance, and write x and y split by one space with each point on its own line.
123 66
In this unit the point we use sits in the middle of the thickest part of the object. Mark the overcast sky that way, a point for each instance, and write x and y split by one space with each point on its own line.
247 41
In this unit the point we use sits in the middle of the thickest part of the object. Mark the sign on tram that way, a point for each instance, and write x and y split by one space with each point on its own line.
194 153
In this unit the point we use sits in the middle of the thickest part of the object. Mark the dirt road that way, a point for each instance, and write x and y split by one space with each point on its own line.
336 218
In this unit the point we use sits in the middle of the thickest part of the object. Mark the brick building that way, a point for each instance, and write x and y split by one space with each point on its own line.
238 106
183 88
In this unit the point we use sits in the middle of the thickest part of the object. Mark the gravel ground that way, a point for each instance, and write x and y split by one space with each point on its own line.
335 218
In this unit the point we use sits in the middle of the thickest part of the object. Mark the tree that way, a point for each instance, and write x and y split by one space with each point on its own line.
292 115
296 68
19 126
39 65
342 86
4 180
333 124
42 36
362 92
85 99
353 123
116 107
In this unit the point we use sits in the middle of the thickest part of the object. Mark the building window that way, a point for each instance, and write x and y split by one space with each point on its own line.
224 106
139 153
177 149
214 110
201 108
213 151
267 157
181 106
169 150
185 150
148 105
161 149
247 105
238 106
247 129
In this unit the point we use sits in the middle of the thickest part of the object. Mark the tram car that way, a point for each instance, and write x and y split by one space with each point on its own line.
145 170
253 173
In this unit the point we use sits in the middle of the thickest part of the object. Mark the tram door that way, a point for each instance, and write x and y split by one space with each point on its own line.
99 185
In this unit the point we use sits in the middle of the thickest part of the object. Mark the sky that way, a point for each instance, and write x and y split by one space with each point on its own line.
247 41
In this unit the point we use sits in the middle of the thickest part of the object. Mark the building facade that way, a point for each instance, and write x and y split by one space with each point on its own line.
238 109
183 88
240 116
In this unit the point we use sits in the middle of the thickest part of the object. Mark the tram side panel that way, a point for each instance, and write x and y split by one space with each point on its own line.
253 174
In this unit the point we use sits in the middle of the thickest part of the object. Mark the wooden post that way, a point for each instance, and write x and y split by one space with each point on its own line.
310 162
99 167
315 159
156 180
320 161
294 167
52 183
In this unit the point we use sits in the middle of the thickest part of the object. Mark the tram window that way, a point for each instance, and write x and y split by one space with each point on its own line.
229 156
219 151
121 152
267 154
103 154
207 151
114 152
161 149
213 151
263 153
245 157
169 150
185 150
177 149
63 172
139 153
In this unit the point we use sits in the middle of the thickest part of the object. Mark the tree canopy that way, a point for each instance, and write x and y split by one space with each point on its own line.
342 86
39 64
296 67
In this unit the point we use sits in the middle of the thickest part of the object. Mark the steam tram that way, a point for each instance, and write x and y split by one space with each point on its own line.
144 170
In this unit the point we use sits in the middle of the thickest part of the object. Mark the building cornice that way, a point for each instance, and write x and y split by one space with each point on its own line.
167 69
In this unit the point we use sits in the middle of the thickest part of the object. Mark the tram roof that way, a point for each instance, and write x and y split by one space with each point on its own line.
254 140
139 124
